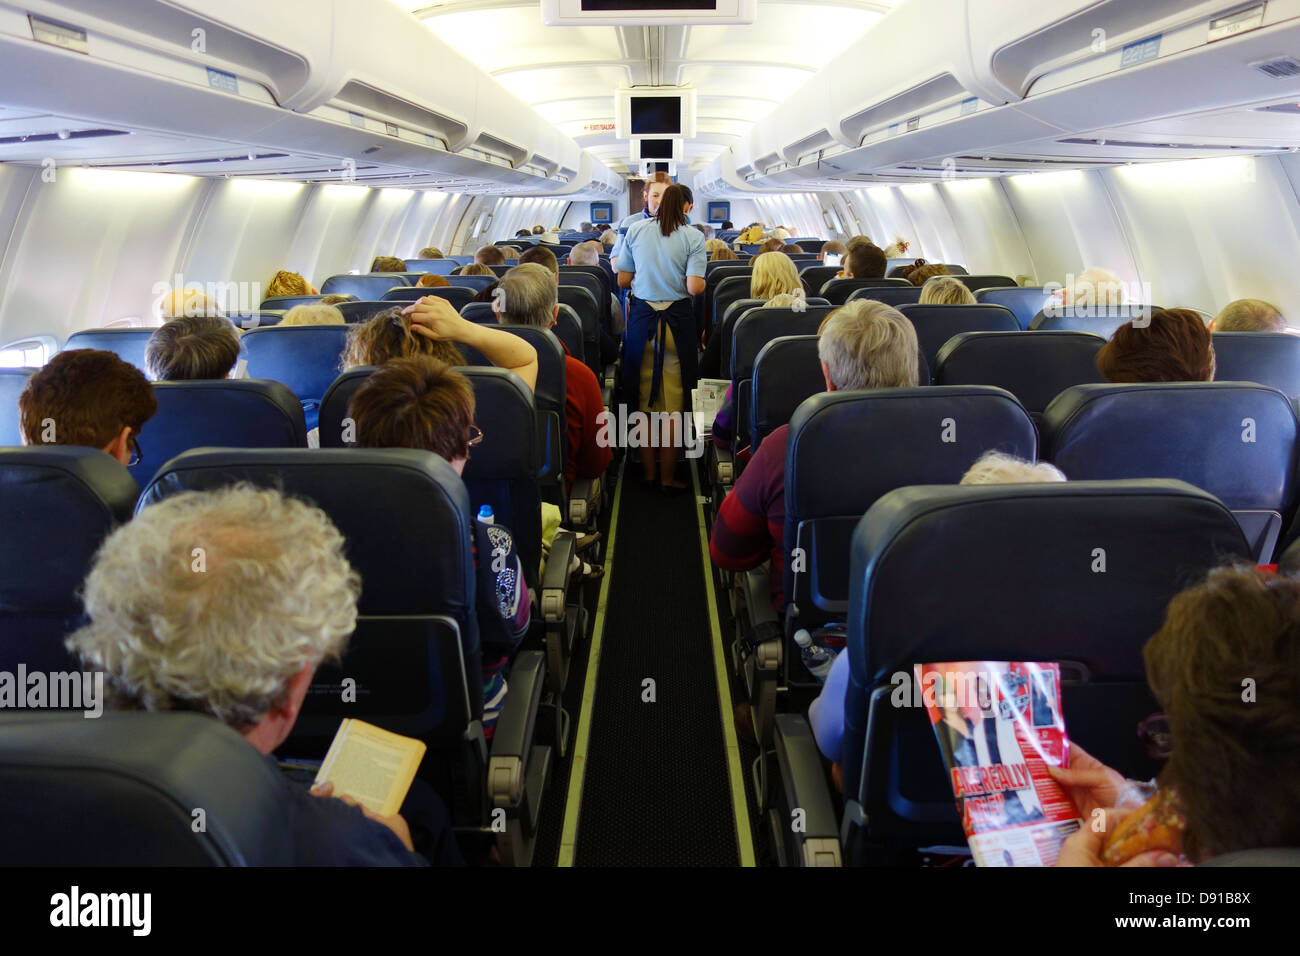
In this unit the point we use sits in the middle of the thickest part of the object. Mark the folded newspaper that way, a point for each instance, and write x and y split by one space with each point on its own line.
706 398
999 727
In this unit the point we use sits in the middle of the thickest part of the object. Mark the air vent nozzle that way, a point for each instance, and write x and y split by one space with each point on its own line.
1279 68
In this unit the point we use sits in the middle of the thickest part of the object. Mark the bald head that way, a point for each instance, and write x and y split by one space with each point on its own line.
1249 315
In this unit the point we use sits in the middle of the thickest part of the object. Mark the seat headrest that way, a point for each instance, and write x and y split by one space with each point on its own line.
12 383
756 327
303 358
1268 358
1236 440
505 413
127 344
480 312
369 285
1077 570
57 504
899 436
334 406
120 791
1034 367
404 512
1026 302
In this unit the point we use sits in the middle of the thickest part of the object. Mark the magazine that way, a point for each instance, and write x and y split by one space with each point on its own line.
999 727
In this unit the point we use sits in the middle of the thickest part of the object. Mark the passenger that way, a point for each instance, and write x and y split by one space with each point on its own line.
722 422
199 347
922 274
490 256
898 248
865 261
431 281
722 252
387 264
905 272
826 714
1094 288
753 233
529 298
858 240
436 320
523 233
241 642
1174 347
791 249
588 254
487 293
705 230
1249 315
771 245
419 402
315 314
780 232
289 283
584 227
832 248
87 397
183 303
538 230
1233 766
663 263
607 240
726 225
334 299
476 269
538 255
388 335
774 273
430 252
946 290
511 252
864 344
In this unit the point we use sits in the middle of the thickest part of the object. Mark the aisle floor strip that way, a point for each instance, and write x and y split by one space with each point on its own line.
578 761
740 805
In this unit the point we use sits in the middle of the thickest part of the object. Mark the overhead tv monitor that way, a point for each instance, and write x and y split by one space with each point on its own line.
719 211
654 113
649 169
661 150
586 13
601 212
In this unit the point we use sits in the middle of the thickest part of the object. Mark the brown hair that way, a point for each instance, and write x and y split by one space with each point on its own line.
855 241
88 396
543 257
476 269
388 264
866 260
1235 758
790 247
193 347
771 245
416 402
723 253
672 208
287 283
430 252
1250 315
490 256
833 248
1175 347
920 274
430 280
387 335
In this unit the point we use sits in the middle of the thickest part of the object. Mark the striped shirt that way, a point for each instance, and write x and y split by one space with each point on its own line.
751 522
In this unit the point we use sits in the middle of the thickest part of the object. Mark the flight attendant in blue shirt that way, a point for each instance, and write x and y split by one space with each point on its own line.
662 262
654 194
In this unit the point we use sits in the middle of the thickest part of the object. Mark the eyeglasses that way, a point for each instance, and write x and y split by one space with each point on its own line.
475 438
137 455
1156 737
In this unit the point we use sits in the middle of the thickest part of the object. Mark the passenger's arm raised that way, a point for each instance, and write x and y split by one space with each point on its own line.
436 318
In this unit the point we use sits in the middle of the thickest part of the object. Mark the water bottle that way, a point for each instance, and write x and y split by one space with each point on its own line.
816 659
486 516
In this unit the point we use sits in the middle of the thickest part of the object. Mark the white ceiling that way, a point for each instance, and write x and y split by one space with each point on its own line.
569 74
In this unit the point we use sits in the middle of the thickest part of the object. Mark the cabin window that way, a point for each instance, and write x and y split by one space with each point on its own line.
28 353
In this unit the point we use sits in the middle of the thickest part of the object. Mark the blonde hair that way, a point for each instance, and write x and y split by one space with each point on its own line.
276 594
996 468
723 253
946 290
774 273
188 303
287 283
1094 287
1250 315
867 344
314 314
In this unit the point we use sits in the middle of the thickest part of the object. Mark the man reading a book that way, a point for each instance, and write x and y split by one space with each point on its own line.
225 602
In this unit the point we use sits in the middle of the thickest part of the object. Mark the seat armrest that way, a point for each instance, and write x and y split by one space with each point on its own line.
513 737
803 781
756 589
584 494
555 579
724 465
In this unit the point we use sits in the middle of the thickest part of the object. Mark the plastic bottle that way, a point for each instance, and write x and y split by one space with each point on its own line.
816 659
486 516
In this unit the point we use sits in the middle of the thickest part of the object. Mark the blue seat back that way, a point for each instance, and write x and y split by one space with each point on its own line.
57 504
220 413
287 302
751 332
259 319
1269 358
458 296
12 383
1235 440
367 285
480 312
1034 367
893 295
360 310
975 283
587 311
847 449
126 344
837 291
1074 572
1101 321
814 277
1025 302
333 432
439 267
477 283
305 359
786 371
936 324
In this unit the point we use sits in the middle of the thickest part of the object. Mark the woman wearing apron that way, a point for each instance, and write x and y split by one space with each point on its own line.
662 261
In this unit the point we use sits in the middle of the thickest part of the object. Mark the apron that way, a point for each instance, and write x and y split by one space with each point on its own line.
643 331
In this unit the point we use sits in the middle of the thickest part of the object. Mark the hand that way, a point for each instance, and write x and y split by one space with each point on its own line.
436 318
396 823
1088 782
1083 848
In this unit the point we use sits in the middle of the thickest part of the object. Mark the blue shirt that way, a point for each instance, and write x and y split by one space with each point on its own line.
662 263
827 712
627 223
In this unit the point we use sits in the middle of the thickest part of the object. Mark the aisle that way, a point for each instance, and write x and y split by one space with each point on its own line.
658 774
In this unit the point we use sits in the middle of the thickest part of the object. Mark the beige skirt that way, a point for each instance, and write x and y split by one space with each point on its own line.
670 388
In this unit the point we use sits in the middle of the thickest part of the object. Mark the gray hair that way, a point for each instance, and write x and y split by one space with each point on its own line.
1250 315
313 314
527 295
997 468
586 253
867 344
192 347
213 600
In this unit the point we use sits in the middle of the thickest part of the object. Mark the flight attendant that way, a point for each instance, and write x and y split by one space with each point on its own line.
654 192
662 262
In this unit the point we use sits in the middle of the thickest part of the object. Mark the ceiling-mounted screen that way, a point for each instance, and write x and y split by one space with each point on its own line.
658 113
657 149
586 13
